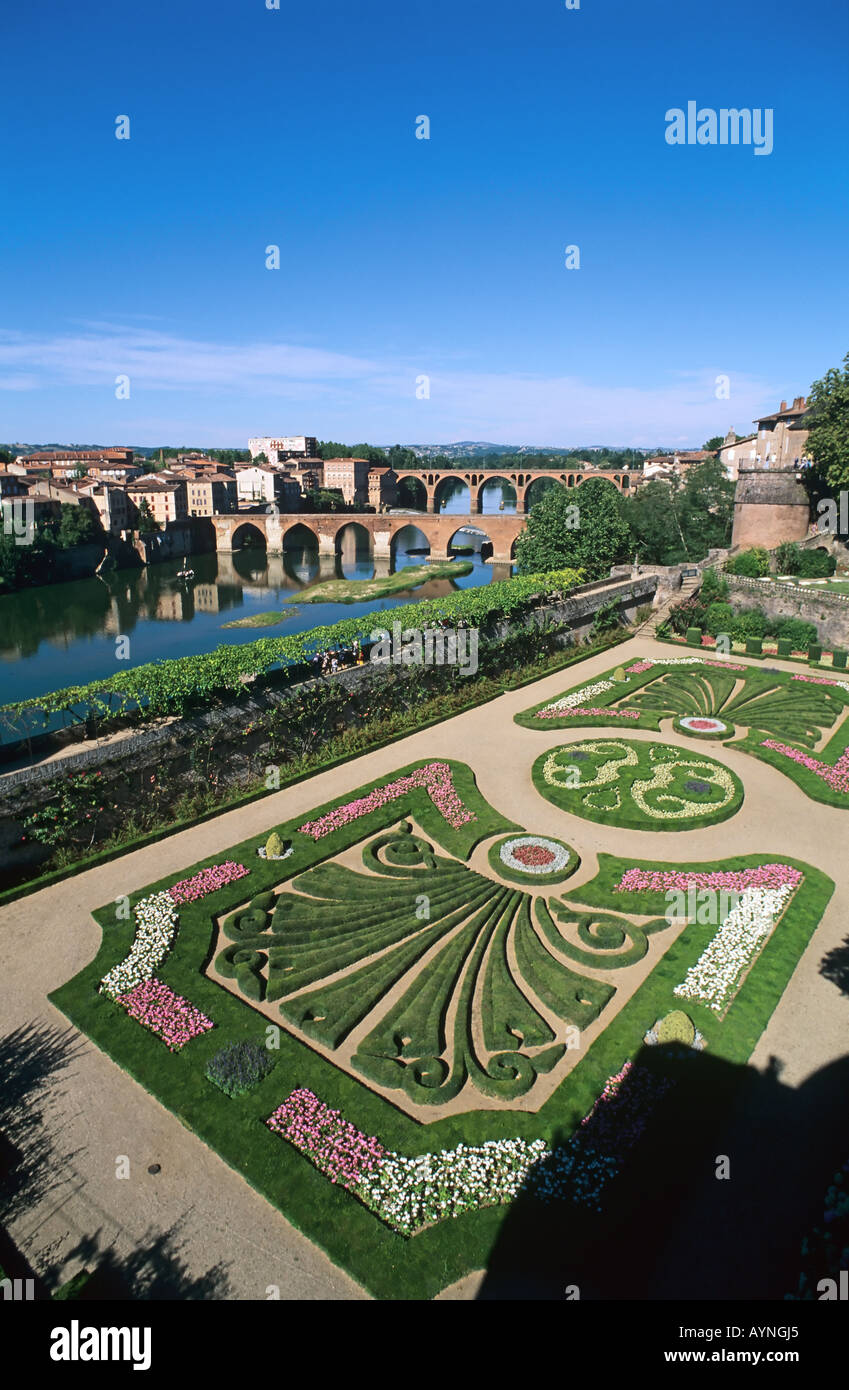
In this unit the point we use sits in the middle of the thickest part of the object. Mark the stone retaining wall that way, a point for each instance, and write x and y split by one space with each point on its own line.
829 611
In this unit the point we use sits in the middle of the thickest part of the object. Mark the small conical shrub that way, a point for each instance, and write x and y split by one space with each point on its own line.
273 846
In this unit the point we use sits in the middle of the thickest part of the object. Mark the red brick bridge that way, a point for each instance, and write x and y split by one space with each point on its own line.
435 483
278 531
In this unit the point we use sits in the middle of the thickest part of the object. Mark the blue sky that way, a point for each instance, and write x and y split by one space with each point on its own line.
403 257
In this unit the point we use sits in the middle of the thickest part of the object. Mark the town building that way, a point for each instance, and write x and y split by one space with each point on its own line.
260 482
63 464
309 473
734 451
782 436
289 446
211 493
348 476
780 441
114 508
12 484
382 487
167 500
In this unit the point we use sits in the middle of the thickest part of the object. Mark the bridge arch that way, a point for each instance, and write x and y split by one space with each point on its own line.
485 482
407 538
446 488
478 540
412 491
248 533
354 545
538 486
299 535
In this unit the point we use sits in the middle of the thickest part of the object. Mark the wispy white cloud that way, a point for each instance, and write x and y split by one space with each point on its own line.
355 397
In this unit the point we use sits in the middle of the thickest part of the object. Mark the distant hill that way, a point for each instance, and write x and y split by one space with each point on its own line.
469 448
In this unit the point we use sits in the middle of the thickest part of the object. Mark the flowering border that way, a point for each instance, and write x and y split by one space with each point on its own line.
435 777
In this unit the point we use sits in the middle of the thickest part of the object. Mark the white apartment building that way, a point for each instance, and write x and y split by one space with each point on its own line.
289 446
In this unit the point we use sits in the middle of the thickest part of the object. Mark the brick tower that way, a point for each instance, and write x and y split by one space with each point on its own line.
770 506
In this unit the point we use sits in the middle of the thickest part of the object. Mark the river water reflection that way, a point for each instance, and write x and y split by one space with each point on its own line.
65 634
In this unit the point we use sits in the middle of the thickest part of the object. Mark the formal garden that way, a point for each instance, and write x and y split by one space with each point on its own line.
396 1017
796 721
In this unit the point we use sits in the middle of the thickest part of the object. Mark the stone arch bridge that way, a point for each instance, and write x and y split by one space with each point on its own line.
233 531
433 481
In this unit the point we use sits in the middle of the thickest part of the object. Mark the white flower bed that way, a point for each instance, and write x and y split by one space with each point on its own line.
740 938
577 697
156 919
408 1193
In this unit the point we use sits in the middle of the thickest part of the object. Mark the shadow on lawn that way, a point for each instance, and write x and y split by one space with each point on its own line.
669 1228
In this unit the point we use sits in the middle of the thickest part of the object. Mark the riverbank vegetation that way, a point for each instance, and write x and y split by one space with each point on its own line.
175 687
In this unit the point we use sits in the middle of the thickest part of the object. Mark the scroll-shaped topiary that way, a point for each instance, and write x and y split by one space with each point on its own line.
676 1027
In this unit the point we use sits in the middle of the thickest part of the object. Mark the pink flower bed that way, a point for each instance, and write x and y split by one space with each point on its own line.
813 680
165 1013
337 1148
188 890
570 713
435 777
836 776
736 880
646 665
536 855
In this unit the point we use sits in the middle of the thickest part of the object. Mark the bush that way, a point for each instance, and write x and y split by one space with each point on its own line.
838 658
239 1067
815 652
785 646
714 587
788 558
749 622
694 636
799 633
273 846
751 564
719 618
676 1027
754 646
816 564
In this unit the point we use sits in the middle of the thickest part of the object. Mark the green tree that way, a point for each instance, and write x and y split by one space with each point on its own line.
714 444
147 521
706 508
76 526
827 419
656 539
579 528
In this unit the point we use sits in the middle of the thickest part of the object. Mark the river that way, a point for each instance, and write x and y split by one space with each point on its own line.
65 634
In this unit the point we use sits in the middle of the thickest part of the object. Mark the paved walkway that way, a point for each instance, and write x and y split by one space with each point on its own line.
93 1112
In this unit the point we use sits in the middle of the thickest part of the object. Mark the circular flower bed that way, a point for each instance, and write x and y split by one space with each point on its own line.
637 785
535 858
701 724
